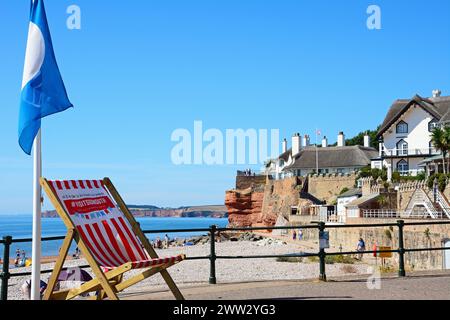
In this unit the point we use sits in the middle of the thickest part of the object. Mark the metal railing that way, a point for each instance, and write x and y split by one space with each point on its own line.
409 152
213 231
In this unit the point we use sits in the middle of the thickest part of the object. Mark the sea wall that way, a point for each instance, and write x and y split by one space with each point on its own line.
427 236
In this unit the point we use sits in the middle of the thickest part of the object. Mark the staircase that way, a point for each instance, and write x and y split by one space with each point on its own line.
443 203
421 199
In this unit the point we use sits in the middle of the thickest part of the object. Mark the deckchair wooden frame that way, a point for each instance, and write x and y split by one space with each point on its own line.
106 284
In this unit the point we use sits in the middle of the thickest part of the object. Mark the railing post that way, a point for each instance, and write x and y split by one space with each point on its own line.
5 270
322 254
212 256
401 249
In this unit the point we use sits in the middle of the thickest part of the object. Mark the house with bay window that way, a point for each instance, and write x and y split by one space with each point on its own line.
405 134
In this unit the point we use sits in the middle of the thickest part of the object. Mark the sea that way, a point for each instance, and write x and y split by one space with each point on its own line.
20 227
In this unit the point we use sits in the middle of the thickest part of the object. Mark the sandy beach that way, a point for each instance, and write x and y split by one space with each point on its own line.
194 272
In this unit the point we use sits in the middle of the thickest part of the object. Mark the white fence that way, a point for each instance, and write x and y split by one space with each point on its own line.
394 214
380 214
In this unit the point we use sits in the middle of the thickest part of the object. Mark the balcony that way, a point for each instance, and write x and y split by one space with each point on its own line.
409 152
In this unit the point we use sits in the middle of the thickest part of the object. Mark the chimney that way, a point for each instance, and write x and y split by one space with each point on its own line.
284 145
366 141
341 139
324 142
437 93
296 144
306 141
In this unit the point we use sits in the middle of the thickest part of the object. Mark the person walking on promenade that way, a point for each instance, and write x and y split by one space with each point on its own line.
294 235
361 247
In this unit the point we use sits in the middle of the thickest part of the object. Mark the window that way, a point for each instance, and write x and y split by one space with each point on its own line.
432 125
432 148
402 127
403 167
402 148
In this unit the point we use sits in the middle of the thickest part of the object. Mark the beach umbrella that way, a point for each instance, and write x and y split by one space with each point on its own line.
74 274
73 278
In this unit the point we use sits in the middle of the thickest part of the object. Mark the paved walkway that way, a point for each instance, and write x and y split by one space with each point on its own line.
419 286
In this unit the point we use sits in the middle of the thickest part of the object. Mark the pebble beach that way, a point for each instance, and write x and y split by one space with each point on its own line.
196 272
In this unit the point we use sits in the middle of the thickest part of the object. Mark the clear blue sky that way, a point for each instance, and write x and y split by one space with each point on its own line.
137 70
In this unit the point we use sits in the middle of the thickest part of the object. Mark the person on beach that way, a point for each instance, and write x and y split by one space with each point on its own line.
16 262
294 235
361 247
26 288
158 243
166 241
300 234
76 255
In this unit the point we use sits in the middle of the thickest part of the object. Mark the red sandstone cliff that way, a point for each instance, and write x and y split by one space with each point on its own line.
244 207
261 205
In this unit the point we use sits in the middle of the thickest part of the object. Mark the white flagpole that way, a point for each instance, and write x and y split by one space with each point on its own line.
37 196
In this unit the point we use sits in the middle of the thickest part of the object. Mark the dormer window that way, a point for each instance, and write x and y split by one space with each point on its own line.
402 127
433 124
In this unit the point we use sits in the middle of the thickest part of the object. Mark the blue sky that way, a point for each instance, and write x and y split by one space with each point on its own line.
137 70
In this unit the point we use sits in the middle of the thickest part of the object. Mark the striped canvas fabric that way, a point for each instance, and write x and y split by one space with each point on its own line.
102 226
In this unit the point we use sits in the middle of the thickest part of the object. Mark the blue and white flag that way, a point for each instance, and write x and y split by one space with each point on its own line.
43 91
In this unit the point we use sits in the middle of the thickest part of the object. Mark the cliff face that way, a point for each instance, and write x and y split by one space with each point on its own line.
155 212
279 197
244 207
261 205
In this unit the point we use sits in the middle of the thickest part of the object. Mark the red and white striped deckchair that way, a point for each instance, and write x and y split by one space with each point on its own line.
108 236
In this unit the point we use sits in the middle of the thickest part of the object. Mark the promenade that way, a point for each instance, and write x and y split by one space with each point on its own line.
417 286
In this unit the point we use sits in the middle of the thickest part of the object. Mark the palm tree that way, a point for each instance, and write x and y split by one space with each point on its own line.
447 139
440 141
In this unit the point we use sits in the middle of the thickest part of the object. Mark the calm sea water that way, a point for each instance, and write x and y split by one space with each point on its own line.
20 226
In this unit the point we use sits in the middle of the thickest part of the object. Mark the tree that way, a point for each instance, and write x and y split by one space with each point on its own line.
441 141
382 201
447 140
358 140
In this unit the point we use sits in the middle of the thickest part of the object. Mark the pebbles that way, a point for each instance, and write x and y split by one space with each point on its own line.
192 272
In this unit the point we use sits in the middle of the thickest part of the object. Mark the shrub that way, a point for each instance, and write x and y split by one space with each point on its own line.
396 176
442 180
290 259
388 234
374 173
334 259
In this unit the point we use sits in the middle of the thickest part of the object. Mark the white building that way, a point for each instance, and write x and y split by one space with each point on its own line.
405 135
304 159
344 199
